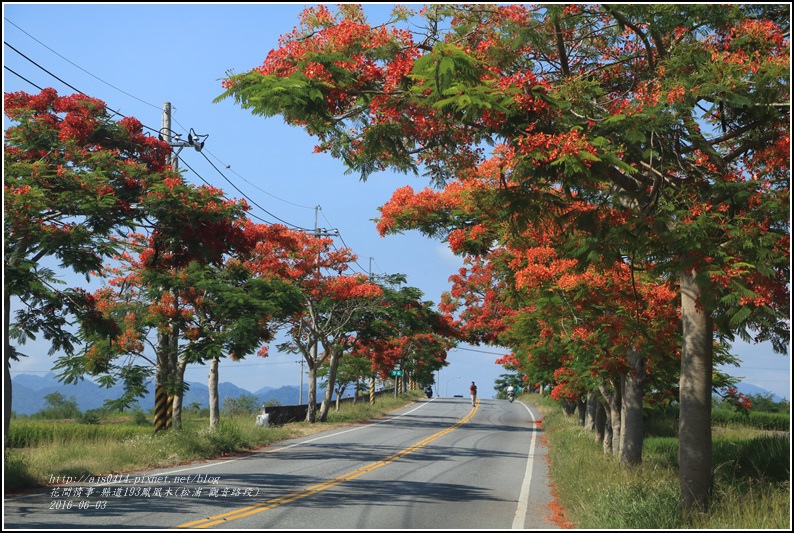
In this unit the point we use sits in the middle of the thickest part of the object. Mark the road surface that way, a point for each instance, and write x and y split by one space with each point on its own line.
437 464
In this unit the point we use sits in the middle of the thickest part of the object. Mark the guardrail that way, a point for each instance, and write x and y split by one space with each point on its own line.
282 414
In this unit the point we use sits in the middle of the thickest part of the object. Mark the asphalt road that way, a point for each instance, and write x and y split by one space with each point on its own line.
437 464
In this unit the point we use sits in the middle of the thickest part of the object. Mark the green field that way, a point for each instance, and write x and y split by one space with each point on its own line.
752 471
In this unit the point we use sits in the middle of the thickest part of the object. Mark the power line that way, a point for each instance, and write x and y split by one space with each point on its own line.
81 68
228 167
378 267
44 69
339 234
65 83
478 351
249 199
251 215
363 270
152 129
24 78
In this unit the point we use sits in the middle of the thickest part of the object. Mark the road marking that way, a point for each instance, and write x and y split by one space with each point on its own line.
523 500
342 432
267 450
320 487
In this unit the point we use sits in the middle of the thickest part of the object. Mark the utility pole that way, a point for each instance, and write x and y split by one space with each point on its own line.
316 353
372 377
170 368
166 361
300 389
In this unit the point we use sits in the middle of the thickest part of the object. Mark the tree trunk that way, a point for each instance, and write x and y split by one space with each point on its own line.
591 409
311 407
694 423
612 435
632 432
180 393
333 365
607 432
581 408
600 422
339 394
165 379
212 384
7 351
614 412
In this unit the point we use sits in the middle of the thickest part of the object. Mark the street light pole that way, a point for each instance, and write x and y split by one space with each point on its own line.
453 379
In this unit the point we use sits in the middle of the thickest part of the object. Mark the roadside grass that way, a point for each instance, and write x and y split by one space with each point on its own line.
362 411
751 479
71 449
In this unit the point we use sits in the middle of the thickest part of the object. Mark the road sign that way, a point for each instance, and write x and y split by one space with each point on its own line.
396 373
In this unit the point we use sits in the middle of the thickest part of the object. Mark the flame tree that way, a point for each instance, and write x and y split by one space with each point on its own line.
676 114
329 299
212 301
73 179
404 330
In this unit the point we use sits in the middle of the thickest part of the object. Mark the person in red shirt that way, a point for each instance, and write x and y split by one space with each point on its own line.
473 390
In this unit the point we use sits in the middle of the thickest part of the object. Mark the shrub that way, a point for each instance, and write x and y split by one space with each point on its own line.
765 457
245 404
758 420
89 417
58 407
140 418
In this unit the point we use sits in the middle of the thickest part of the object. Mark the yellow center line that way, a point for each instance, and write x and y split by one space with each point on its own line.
320 487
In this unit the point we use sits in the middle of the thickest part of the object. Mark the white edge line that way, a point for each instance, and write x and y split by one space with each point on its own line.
207 465
523 500
274 450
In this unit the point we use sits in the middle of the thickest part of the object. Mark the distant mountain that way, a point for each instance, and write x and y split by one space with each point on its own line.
29 392
287 395
748 389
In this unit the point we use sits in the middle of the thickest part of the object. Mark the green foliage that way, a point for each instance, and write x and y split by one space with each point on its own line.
505 380
758 420
747 461
764 403
73 178
626 506
92 416
140 418
245 404
227 437
750 481
16 471
662 420
58 407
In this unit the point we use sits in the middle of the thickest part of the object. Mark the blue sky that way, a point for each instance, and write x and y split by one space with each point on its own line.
135 57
